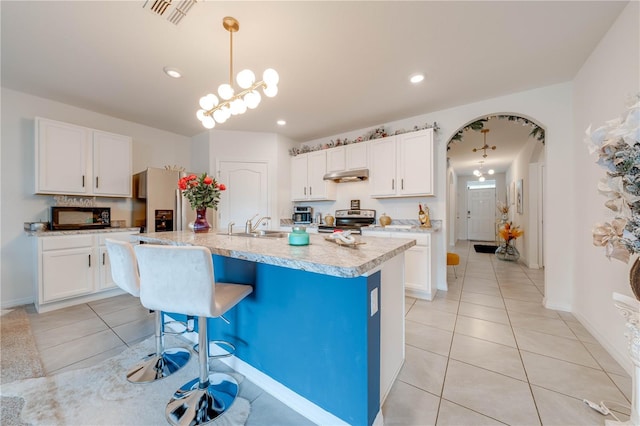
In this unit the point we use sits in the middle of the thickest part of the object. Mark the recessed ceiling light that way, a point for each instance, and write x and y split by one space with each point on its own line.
281 122
416 78
172 72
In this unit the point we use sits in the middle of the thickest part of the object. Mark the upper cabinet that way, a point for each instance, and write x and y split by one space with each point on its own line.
347 157
402 165
307 172
76 160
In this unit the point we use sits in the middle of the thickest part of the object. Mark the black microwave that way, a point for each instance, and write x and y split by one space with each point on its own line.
73 218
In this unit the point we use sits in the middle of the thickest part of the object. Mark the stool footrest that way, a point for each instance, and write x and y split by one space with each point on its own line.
215 345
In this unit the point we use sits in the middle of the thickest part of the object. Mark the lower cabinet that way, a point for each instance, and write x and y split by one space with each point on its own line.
74 269
418 263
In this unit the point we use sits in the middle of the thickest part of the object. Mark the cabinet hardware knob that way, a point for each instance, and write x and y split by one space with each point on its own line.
89 261
103 258
402 183
97 186
83 181
393 184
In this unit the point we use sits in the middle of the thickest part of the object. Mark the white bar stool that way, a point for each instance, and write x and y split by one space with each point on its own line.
180 279
163 362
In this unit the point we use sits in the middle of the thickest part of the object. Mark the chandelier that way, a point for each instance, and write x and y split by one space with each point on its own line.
479 174
213 110
485 147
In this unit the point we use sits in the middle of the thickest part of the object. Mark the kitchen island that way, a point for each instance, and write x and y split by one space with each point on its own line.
323 330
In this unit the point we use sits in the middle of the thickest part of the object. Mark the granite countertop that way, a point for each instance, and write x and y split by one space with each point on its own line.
436 225
79 232
320 256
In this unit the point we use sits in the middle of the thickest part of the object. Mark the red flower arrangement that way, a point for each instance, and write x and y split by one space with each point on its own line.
201 191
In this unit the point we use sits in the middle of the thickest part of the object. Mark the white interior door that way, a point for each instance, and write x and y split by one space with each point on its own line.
246 194
481 205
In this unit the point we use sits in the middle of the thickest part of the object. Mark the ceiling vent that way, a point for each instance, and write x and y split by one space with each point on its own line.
173 10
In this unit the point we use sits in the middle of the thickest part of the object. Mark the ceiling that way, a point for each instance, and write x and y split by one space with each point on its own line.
342 65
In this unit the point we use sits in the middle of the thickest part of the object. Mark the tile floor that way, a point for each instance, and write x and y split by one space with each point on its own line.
484 353
487 353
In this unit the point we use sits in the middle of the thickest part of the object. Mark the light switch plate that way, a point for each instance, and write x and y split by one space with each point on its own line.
374 301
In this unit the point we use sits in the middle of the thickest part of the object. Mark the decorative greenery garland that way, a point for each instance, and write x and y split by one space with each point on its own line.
536 131
377 133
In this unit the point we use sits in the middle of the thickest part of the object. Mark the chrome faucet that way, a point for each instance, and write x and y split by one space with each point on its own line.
250 228
230 228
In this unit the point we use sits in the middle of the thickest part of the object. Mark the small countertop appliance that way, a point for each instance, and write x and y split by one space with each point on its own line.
302 215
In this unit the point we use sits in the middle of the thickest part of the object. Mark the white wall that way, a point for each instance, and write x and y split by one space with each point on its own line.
253 146
601 88
549 106
151 147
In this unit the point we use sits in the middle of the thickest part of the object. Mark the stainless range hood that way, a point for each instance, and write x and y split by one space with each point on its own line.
348 175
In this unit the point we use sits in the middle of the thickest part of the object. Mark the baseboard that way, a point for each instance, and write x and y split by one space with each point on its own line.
621 358
6 304
564 308
279 391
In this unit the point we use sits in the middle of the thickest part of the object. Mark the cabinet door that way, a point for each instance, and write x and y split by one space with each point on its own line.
67 273
416 269
62 155
382 165
415 163
111 165
319 189
356 156
299 177
336 159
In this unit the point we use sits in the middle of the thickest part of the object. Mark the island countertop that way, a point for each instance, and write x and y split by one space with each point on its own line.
320 256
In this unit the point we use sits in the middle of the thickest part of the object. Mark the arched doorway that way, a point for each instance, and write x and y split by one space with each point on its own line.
516 165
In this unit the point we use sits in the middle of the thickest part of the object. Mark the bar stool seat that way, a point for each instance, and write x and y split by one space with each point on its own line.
181 279
453 259
163 362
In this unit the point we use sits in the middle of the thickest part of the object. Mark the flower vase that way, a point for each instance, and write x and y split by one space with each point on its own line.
201 224
634 278
507 251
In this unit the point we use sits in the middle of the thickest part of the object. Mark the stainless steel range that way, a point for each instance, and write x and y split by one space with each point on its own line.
351 220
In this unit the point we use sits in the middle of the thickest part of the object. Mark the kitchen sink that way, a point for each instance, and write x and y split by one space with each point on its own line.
260 234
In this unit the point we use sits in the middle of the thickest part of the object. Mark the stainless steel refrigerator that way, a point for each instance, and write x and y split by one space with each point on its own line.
158 204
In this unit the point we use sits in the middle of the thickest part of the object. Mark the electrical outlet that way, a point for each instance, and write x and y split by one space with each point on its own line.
374 301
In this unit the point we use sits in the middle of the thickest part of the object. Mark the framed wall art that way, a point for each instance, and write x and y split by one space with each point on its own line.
519 197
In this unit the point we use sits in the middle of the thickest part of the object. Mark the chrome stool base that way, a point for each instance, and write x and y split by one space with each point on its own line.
154 367
193 405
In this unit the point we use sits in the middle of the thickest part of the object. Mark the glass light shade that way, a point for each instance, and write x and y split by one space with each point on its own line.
200 114
481 178
270 91
238 107
225 91
208 122
252 99
226 111
476 173
208 102
416 78
491 171
270 77
220 116
245 78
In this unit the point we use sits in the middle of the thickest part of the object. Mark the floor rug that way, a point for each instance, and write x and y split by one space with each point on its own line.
485 248
101 395
19 359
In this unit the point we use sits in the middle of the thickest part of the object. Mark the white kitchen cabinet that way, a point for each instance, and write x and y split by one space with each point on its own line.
418 263
112 165
68 266
74 269
307 173
402 165
347 157
76 160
